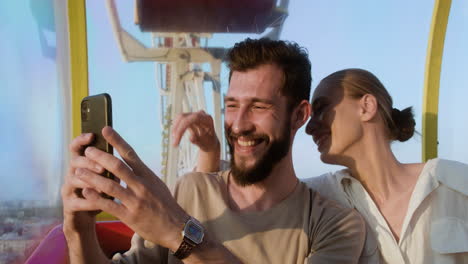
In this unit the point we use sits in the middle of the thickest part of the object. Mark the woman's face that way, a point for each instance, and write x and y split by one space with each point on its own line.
335 124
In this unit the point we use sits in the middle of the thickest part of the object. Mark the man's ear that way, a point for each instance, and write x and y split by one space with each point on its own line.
301 114
368 107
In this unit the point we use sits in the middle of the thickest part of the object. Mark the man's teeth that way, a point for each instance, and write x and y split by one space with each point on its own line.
246 143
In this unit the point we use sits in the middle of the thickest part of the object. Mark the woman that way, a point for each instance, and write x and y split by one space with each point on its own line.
416 213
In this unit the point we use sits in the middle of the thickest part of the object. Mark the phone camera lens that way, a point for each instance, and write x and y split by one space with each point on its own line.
85 111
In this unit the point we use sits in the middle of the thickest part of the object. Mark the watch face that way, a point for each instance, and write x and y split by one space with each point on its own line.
194 231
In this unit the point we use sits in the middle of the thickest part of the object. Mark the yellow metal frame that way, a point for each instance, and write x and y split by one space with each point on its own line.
79 67
432 78
78 59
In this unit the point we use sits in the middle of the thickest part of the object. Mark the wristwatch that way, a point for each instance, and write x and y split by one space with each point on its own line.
193 234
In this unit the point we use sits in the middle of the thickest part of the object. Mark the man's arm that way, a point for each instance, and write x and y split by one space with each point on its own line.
202 133
147 206
83 246
211 251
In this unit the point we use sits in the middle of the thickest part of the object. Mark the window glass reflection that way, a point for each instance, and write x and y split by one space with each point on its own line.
31 134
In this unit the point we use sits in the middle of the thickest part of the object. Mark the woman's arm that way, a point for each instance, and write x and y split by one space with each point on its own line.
202 134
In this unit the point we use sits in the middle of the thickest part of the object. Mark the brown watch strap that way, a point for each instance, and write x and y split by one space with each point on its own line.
184 249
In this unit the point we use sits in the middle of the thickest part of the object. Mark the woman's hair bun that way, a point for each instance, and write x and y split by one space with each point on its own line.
403 124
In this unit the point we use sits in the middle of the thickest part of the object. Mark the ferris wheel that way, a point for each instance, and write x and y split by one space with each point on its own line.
177 29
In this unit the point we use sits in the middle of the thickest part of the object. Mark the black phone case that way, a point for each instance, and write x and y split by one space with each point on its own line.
96 113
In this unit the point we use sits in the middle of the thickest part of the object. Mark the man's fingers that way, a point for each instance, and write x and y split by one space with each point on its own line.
112 164
72 183
71 189
107 205
80 204
127 153
103 184
83 162
76 183
78 144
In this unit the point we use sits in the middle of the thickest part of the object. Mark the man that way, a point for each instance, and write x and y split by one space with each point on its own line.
258 212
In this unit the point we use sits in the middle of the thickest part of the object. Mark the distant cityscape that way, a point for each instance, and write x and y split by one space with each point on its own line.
23 224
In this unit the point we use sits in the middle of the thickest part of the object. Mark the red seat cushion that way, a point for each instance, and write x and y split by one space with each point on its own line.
114 236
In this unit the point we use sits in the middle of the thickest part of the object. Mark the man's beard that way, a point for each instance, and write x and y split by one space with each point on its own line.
275 152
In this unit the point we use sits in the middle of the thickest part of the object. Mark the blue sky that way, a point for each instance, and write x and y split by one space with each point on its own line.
388 38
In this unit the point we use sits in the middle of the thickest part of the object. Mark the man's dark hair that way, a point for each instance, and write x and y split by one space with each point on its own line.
289 56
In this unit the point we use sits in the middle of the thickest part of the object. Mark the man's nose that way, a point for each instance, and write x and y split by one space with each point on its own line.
242 122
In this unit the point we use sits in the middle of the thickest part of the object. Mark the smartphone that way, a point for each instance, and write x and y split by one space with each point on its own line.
96 113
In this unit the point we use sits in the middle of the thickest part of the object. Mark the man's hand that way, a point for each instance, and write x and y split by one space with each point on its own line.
147 205
202 133
79 214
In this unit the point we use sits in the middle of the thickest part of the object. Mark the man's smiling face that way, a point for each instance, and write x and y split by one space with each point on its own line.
257 122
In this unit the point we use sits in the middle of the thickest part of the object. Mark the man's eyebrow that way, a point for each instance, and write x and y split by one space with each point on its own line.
229 98
253 100
260 100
